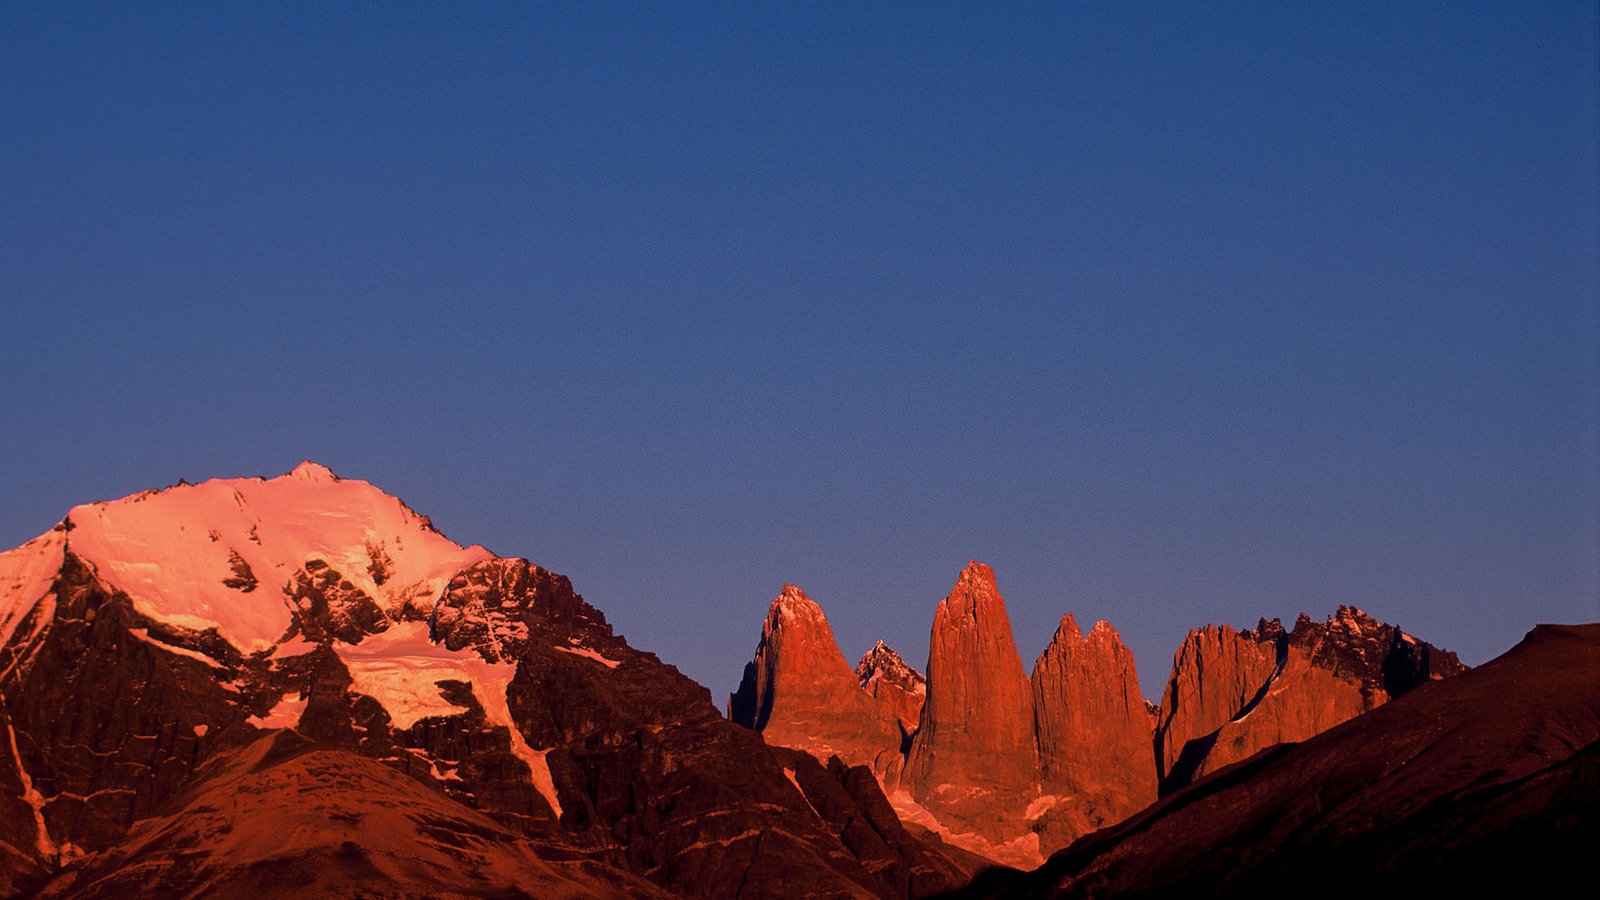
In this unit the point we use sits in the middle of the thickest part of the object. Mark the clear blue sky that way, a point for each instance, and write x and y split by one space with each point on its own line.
1173 314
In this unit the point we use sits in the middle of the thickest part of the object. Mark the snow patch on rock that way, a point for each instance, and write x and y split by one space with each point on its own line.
284 714
402 670
1021 852
30 795
144 635
588 653
295 646
1041 805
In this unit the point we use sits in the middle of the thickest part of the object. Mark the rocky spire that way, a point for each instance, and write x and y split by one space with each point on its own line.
800 692
973 762
1094 733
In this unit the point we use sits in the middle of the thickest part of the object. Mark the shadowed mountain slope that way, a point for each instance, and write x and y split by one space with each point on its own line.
283 817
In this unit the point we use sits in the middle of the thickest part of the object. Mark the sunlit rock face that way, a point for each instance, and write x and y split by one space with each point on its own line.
1014 768
1216 673
1096 763
149 645
973 763
799 691
1232 694
283 814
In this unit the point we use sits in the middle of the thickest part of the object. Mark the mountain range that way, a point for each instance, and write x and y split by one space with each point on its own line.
1014 766
273 687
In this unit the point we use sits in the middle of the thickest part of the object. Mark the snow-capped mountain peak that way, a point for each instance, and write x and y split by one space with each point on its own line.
225 553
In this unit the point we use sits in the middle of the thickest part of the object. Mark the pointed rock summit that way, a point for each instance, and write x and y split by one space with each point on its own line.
1095 758
896 685
973 762
800 692
1232 694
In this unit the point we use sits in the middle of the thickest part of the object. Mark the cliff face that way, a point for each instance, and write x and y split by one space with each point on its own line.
1216 673
799 692
973 763
1094 731
1232 694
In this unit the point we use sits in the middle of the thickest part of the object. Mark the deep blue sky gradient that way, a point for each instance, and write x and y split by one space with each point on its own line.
1174 314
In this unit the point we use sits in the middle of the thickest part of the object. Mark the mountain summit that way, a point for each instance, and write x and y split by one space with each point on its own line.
1486 783
1232 694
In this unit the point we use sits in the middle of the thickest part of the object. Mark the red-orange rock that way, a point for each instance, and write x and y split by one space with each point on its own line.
800 692
1321 674
1094 732
973 762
